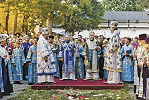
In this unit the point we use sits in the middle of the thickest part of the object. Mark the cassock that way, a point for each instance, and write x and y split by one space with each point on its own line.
1 79
105 55
114 59
127 63
79 60
68 70
144 70
45 70
147 79
147 89
18 59
101 61
136 74
6 72
140 57
60 62
32 70
55 55
92 71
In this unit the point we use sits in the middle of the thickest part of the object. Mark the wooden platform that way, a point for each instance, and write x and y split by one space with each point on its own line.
79 84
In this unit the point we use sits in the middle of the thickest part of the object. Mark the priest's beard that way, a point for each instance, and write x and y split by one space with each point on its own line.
67 41
91 39
51 42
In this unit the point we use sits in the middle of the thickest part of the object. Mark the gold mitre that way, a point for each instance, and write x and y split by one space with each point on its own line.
91 33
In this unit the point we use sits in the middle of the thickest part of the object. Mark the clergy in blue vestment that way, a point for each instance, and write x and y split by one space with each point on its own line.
93 52
67 52
6 67
1 79
79 58
26 46
32 59
46 68
105 55
21 44
55 50
127 61
18 61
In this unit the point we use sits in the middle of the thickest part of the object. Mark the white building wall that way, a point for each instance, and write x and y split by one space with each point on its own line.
124 32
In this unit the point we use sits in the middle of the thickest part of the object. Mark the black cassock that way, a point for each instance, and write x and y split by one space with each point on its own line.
7 86
101 62
1 94
145 75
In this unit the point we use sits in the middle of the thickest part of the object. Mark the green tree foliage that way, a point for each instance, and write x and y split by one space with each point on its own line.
122 5
81 15
143 4
72 15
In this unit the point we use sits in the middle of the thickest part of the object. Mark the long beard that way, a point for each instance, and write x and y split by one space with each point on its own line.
92 39
68 41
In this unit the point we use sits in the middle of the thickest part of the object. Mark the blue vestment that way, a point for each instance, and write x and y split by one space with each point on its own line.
79 63
105 62
18 59
68 61
55 55
127 63
1 76
32 70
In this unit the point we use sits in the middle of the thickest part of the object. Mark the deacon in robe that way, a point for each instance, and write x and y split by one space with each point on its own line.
18 62
32 60
114 56
127 61
55 50
46 68
147 56
136 70
60 59
145 69
67 54
100 57
79 58
140 57
105 55
93 51
6 67
1 79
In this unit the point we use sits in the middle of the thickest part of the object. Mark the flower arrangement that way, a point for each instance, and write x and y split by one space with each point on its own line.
71 94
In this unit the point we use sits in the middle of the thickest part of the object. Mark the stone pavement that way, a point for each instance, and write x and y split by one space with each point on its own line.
17 88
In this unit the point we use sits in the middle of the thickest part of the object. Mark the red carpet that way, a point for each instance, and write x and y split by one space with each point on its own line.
79 84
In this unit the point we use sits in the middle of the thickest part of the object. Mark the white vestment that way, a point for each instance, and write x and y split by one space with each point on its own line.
45 70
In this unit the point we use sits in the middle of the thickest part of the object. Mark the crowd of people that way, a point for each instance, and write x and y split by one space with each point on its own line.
41 59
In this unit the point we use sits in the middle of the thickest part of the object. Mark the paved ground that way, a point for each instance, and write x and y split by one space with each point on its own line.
17 88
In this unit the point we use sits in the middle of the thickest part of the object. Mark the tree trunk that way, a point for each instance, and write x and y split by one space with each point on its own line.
25 24
15 20
7 18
